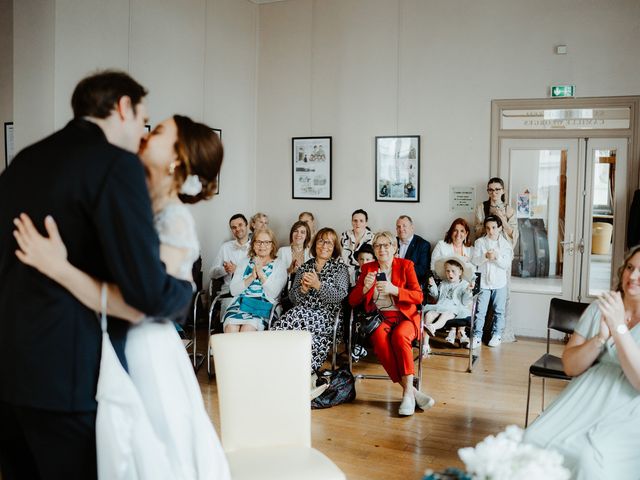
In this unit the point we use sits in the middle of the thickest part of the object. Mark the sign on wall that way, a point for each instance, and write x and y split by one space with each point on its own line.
462 199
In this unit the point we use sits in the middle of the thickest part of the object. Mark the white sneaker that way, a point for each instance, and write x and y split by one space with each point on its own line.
423 401
476 342
495 340
407 406
451 337
426 348
464 340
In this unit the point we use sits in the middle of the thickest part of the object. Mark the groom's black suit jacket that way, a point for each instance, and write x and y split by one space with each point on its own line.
50 344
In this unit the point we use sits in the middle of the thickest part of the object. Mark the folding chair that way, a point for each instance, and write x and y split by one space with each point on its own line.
563 317
460 322
417 343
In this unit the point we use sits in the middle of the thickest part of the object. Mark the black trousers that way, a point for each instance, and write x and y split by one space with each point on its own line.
46 445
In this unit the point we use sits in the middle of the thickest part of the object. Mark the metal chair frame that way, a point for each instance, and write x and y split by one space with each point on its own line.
556 374
471 356
417 381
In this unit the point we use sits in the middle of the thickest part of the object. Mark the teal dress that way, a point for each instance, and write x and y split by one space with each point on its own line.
595 422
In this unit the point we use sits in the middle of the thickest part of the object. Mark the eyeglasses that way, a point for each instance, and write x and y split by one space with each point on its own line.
322 243
491 190
262 243
381 245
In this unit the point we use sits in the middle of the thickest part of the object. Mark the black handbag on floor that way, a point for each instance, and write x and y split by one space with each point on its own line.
341 389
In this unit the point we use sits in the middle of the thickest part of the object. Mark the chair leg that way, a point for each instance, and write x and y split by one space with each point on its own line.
334 353
350 342
211 313
542 394
526 416
420 346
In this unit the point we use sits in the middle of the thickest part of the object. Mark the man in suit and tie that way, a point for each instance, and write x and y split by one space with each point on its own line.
413 247
88 177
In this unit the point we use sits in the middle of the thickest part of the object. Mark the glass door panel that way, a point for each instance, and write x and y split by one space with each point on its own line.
542 185
605 209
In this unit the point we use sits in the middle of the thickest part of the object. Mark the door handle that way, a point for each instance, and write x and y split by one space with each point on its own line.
571 246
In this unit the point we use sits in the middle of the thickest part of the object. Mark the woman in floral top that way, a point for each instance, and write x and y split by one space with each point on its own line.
319 287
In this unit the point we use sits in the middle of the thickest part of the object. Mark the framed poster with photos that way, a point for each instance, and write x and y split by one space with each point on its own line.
398 169
311 168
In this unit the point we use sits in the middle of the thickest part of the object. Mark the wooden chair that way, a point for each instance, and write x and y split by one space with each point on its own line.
563 317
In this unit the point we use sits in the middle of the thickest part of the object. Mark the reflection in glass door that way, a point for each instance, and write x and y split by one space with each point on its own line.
605 214
542 181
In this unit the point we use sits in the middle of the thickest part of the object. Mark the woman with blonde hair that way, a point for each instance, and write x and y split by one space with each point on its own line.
255 286
390 286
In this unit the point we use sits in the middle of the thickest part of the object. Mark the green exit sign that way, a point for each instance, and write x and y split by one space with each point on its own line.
563 91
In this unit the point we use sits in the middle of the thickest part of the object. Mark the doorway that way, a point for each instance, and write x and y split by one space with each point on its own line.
571 195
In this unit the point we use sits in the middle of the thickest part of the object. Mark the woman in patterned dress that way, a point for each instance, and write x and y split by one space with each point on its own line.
318 289
255 286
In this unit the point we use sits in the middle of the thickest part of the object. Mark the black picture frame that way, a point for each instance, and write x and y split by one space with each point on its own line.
311 168
397 164
9 152
217 192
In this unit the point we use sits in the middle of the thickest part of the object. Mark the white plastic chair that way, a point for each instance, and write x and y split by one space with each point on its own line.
265 415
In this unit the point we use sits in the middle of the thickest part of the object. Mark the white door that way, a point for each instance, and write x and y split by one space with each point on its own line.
571 201
542 178
605 216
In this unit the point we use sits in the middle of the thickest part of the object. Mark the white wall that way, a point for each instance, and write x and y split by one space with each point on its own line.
354 69
6 72
196 57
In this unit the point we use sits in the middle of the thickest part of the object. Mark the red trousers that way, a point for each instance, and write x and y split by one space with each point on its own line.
392 344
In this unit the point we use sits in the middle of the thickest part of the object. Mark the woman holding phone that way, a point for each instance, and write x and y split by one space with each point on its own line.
390 285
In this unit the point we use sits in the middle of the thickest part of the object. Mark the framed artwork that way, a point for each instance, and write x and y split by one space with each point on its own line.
9 149
398 169
311 167
217 191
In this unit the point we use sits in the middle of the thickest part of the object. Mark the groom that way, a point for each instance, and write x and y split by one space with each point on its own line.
88 177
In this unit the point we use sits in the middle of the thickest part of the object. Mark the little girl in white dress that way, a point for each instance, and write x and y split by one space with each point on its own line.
454 297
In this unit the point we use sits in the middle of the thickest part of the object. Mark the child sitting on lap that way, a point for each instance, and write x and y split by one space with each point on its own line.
454 297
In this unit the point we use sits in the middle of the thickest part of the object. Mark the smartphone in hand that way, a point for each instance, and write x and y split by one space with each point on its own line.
381 277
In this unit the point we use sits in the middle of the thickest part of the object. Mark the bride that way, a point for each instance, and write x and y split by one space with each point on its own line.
182 159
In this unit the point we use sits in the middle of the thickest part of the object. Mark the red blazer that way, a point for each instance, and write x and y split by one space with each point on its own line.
403 276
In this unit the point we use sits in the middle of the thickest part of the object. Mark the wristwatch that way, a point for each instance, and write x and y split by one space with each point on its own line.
622 329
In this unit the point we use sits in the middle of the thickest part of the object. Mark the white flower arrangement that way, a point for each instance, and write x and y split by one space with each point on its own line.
191 186
505 457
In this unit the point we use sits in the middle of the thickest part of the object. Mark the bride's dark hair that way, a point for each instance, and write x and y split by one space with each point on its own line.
200 153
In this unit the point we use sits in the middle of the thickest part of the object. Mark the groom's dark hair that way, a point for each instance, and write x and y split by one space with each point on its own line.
97 95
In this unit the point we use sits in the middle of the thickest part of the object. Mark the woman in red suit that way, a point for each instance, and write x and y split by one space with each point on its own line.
391 286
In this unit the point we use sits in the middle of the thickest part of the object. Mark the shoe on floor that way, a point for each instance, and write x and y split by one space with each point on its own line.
464 340
476 342
426 348
451 337
423 401
431 330
407 406
495 341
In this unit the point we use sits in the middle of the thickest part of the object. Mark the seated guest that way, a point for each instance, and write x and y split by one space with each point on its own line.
364 255
454 297
297 252
594 422
457 241
230 254
258 222
390 285
256 285
352 240
413 247
319 286
310 220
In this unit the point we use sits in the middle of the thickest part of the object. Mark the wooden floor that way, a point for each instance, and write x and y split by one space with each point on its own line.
368 440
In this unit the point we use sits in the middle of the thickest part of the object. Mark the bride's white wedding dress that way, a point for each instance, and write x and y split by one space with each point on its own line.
163 375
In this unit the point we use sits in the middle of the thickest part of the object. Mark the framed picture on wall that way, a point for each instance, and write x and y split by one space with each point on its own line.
398 169
9 149
217 190
311 167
